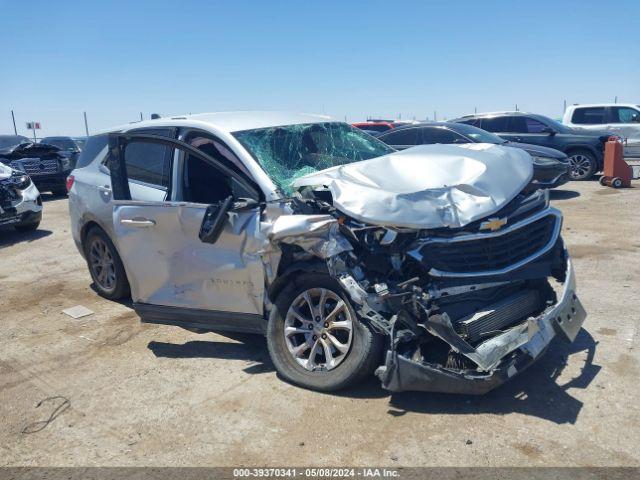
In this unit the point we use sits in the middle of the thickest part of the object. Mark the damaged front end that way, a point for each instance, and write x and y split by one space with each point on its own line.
465 308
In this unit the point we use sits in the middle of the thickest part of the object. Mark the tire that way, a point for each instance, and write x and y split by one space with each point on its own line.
616 182
365 346
98 250
582 164
29 227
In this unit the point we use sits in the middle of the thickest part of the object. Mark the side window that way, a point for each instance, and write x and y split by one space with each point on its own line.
588 116
495 124
216 149
404 136
95 146
624 115
440 135
149 163
201 181
520 124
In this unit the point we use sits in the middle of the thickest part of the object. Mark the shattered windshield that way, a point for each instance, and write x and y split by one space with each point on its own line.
291 151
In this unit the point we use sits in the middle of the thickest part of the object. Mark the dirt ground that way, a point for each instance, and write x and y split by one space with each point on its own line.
158 395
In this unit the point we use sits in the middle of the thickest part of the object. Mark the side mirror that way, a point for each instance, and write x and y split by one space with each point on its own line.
549 130
635 118
214 220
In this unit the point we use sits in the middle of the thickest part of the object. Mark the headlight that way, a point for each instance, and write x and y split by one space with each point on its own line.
21 181
544 161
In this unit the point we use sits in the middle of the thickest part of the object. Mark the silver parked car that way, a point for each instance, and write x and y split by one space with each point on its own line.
436 266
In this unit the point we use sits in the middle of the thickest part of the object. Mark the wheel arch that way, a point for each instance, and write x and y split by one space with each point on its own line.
589 148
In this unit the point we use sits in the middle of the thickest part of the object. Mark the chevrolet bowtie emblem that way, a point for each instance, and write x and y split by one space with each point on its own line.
493 224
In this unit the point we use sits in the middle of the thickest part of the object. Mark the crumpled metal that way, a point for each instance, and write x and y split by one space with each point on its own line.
428 186
316 234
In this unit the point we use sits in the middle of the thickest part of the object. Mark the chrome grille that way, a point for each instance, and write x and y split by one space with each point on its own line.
36 166
491 253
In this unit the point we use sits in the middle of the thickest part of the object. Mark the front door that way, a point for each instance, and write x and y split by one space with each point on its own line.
176 278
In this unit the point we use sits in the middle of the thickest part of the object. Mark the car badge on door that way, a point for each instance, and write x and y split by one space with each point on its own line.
493 224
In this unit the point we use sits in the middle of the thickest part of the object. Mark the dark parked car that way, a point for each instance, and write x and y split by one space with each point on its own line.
69 147
44 163
550 167
584 148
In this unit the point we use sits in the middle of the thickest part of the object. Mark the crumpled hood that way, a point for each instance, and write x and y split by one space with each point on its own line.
429 186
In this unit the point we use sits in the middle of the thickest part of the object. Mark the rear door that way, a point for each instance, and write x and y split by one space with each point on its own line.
176 278
624 121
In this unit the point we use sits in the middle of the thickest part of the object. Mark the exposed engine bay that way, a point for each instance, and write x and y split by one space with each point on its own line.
465 308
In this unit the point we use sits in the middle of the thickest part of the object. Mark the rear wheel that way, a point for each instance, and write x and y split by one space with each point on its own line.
315 338
582 165
105 266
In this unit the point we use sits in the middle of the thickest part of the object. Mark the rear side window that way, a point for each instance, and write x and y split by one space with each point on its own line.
624 115
148 162
405 136
495 124
94 146
526 125
588 116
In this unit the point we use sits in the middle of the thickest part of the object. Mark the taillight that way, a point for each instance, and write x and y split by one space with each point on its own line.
70 180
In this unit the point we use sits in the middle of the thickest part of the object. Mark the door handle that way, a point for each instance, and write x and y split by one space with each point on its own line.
138 222
106 189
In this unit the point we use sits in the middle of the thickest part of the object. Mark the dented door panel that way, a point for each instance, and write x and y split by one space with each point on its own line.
168 265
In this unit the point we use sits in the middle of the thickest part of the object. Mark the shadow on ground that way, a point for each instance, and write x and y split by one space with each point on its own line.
563 194
535 392
49 197
251 348
10 236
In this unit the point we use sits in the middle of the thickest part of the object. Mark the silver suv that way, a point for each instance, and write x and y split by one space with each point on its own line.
434 266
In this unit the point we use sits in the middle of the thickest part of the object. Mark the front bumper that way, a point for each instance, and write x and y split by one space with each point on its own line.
499 358
27 210
550 177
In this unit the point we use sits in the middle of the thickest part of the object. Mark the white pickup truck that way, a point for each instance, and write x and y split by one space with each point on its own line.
621 119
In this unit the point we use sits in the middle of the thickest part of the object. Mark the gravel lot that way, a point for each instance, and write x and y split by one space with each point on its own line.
156 395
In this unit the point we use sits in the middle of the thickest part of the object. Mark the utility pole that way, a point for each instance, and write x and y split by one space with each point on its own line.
615 100
475 110
141 116
435 116
13 117
565 107
86 125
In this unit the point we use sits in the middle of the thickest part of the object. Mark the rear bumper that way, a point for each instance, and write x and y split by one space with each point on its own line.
50 181
499 359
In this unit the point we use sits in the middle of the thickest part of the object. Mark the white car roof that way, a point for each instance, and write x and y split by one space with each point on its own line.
228 121
581 105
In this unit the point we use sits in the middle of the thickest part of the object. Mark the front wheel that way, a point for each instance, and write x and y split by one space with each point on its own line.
315 338
582 165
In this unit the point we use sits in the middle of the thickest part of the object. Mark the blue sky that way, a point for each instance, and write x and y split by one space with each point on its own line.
344 58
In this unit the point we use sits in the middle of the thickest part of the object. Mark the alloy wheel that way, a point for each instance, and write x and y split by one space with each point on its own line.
102 264
580 166
318 329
